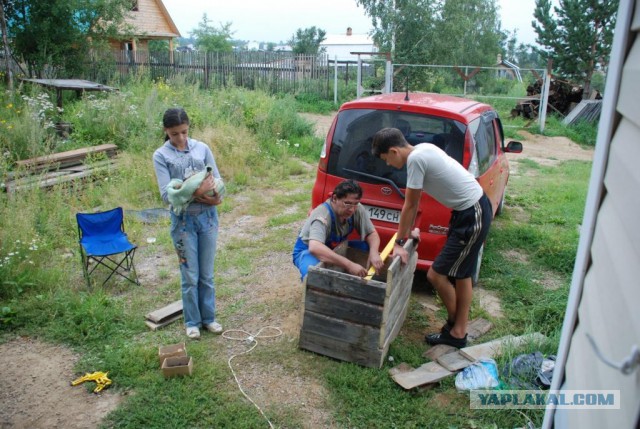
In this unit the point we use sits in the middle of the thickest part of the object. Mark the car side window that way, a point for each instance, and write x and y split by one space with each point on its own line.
485 142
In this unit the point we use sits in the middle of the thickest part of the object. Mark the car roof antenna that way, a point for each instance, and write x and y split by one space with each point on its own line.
406 87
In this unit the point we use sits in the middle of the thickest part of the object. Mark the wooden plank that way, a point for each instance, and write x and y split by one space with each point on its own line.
433 353
346 284
340 339
403 367
495 347
155 326
58 180
428 373
454 361
342 307
343 351
488 350
46 176
70 154
165 312
398 293
392 331
478 327
364 335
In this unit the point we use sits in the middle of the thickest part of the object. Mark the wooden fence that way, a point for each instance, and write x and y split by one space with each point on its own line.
273 72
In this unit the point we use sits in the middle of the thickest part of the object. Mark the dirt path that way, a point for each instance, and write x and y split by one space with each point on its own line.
34 381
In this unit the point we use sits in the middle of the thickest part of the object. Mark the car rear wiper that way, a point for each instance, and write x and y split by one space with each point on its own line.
381 179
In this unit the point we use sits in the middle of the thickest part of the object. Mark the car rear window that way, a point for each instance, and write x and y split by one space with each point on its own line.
350 153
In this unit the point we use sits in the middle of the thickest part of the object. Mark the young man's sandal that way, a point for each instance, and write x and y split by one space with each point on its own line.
445 337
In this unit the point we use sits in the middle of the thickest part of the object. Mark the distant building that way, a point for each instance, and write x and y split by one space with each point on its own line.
340 46
150 20
282 48
508 69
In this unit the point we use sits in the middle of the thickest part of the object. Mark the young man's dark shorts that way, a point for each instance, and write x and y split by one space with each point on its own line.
468 230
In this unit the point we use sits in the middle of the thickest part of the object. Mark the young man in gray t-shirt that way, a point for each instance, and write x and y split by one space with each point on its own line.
431 170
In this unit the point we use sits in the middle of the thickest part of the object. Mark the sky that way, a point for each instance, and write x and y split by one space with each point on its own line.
278 20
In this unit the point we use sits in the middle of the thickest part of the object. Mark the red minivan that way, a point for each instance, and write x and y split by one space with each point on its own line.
468 130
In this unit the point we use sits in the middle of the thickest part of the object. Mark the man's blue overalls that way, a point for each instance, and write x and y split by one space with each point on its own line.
303 259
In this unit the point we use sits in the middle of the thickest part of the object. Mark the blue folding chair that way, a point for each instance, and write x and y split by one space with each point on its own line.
102 239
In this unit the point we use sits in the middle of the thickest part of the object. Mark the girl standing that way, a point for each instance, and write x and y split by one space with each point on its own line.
194 230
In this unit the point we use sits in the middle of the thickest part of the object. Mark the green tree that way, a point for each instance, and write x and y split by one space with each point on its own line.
467 33
436 32
443 32
524 55
406 28
577 36
213 39
158 45
307 41
52 37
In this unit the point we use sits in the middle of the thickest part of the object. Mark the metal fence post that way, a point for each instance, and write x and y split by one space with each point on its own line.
359 78
544 97
335 80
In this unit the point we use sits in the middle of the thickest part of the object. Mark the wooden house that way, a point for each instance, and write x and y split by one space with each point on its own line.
599 347
507 69
150 20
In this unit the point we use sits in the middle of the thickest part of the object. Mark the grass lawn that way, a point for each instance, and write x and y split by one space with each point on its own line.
527 267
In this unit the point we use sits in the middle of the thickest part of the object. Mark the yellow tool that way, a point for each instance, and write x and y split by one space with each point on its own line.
383 255
100 378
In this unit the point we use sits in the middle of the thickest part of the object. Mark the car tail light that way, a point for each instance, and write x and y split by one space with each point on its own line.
322 164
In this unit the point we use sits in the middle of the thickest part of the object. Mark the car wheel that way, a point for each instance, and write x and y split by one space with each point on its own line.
476 275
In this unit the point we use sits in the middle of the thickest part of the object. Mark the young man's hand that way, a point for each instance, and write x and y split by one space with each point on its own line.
398 250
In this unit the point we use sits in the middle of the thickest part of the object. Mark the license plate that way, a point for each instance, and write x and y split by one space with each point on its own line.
386 215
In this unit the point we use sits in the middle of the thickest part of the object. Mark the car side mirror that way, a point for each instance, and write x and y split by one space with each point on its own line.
513 147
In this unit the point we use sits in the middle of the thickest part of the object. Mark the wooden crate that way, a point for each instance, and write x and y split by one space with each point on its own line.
352 319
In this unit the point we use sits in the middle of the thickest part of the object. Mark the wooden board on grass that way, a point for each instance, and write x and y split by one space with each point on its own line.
454 361
493 348
478 327
66 159
428 373
155 326
433 353
165 313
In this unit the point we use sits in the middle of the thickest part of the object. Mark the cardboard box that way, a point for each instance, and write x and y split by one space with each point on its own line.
172 350
177 365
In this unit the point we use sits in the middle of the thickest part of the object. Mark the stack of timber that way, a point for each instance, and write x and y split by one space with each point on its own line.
353 319
563 97
50 170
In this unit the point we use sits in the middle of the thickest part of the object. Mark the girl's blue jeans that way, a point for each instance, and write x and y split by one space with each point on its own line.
194 237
